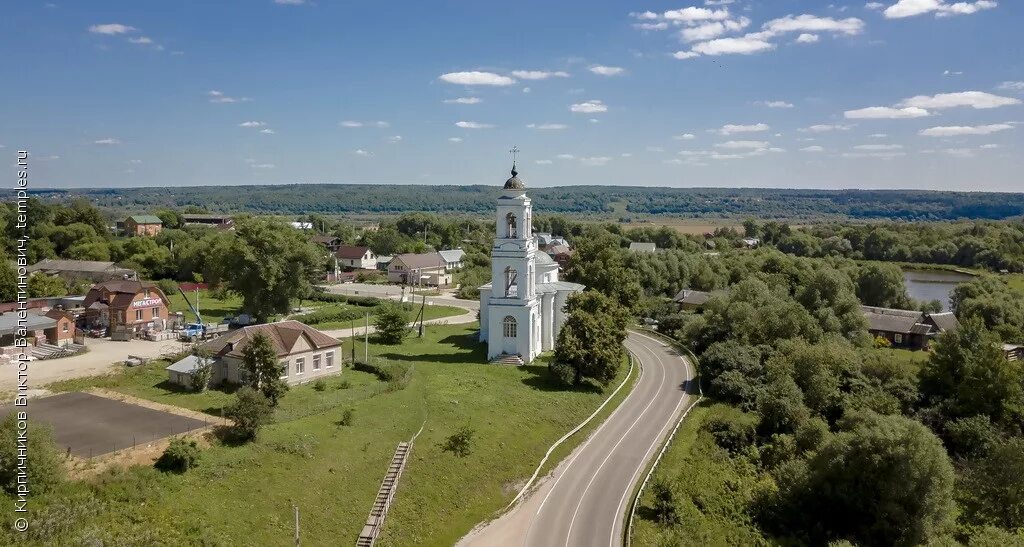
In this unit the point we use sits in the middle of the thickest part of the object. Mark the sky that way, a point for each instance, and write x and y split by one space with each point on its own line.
922 94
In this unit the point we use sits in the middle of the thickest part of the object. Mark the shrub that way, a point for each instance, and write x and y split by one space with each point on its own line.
665 502
46 470
347 417
392 323
180 456
332 315
250 412
320 384
344 384
732 434
882 342
460 443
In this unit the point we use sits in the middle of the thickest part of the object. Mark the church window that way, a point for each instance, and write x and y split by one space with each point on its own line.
511 282
510 226
510 327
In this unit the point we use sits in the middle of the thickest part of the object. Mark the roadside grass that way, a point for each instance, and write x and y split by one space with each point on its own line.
429 312
244 494
212 309
706 484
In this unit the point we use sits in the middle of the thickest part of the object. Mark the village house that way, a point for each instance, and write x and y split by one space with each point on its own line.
642 247
1013 352
143 225
304 354
62 332
561 253
360 258
126 308
545 241
95 271
452 259
909 329
327 241
689 299
419 269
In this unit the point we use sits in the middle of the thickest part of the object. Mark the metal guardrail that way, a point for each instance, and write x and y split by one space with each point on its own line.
627 536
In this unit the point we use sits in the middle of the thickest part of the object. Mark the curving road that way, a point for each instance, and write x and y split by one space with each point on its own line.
583 501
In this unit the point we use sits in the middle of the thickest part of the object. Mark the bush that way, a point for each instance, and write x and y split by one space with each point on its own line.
320 384
732 433
563 372
665 502
46 470
347 417
250 412
461 442
180 456
344 384
332 315
392 323
882 342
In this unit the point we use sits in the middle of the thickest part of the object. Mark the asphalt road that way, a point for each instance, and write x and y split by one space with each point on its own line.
584 500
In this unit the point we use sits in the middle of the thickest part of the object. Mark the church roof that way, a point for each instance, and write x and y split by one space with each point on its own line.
515 183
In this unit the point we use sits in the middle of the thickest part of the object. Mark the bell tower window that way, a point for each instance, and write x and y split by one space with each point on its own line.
509 327
511 282
510 226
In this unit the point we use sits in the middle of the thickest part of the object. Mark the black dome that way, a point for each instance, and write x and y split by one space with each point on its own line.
514 183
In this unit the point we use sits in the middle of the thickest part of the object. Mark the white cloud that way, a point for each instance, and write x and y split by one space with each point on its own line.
910 8
381 124
729 129
251 124
361 152
289 2
464 100
644 16
543 162
693 14
814 148
660 25
538 74
592 106
713 29
142 40
595 161
989 146
476 78
886 113
684 137
351 123
1012 86
825 128
775 104
607 70
218 97
395 139
811 23
526 90
948 72
878 147
746 45
961 152
874 5
958 131
878 135
262 165
594 120
267 131
878 155
736 145
355 123
973 99
547 126
673 161
682 55
626 155
454 139
111 28
473 125
107 141
807 38
565 156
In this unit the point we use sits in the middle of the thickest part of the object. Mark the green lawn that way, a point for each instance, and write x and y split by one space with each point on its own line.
212 309
244 494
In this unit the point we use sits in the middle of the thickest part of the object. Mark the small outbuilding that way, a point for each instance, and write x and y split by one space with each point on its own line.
143 225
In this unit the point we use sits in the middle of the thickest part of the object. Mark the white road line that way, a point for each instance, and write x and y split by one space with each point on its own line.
629 485
593 477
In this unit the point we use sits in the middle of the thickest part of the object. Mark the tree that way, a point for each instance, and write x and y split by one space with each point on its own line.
45 468
882 480
460 443
263 373
590 342
994 486
250 412
8 281
600 262
268 263
203 372
967 374
40 284
392 323
882 285
180 456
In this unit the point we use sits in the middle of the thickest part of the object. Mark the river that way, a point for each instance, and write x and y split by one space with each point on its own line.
928 285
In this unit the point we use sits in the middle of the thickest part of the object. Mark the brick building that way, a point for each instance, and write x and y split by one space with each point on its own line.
143 225
130 307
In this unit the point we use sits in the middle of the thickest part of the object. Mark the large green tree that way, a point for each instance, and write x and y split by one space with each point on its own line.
600 262
993 488
882 285
392 322
590 342
268 263
263 373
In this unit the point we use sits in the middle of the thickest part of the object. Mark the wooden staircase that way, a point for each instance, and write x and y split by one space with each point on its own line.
385 495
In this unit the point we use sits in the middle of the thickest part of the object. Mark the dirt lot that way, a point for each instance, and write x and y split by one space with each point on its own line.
89 425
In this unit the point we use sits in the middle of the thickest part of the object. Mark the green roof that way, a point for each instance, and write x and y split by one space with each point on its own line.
146 219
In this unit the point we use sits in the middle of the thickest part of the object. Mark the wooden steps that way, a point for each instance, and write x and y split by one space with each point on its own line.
385 495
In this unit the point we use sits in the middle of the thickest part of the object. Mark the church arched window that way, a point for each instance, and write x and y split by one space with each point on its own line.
510 327
511 282
510 226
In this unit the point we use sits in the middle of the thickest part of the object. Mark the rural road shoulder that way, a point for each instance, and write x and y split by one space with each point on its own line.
583 501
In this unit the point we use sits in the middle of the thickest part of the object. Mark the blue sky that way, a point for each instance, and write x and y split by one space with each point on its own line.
782 93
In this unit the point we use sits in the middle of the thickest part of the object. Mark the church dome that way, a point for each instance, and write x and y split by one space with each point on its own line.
514 183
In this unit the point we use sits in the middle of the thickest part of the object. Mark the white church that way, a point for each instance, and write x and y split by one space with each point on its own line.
523 307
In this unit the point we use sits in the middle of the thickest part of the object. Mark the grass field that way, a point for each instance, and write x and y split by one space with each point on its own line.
1016 282
244 494
212 309
692 226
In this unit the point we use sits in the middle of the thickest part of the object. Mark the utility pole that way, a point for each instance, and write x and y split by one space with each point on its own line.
352 333
296 507
366 339
423 307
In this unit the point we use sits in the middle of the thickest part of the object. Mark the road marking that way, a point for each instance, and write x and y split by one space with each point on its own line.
593 477
629 485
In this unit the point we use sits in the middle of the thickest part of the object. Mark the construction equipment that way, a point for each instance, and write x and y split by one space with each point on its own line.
193 331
